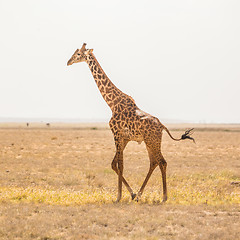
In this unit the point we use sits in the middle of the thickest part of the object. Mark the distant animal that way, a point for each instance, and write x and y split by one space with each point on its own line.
27 124
48 124
128 123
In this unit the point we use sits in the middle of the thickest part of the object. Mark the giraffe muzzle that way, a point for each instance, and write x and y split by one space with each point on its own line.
69 62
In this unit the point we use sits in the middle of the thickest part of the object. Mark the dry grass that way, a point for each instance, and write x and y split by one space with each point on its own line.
58 184
197 189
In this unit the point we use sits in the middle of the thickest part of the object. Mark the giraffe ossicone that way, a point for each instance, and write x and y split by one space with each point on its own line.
128 123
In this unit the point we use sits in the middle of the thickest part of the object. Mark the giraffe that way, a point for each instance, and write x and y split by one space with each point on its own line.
128 123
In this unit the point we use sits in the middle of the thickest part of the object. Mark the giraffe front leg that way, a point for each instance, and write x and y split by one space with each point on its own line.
120 179
117 165
115 168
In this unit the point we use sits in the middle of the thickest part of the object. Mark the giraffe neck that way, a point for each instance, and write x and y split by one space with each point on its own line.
111 94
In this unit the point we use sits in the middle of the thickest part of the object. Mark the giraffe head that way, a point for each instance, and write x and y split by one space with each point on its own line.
80 55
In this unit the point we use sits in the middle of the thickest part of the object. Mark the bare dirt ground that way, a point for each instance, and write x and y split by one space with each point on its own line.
56 182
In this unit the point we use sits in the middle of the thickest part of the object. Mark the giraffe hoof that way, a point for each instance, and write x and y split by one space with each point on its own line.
164 200
137 199
133 196
116 201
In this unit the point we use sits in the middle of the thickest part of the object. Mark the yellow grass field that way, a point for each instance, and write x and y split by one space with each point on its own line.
56 182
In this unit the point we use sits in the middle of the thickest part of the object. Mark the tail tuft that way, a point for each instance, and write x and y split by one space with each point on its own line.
187 135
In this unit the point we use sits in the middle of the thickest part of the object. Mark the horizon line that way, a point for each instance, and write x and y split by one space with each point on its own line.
94 120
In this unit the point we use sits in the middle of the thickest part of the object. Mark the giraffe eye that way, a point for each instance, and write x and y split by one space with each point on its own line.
78 54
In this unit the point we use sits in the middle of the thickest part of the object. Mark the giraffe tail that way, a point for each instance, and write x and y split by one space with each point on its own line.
186 135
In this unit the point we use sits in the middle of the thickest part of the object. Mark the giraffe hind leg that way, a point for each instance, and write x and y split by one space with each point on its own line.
153 165
163 168
156 159
150 171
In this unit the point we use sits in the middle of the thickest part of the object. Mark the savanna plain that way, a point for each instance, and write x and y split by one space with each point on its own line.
56 182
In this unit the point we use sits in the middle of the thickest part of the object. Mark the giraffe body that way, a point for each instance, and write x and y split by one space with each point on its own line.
128 123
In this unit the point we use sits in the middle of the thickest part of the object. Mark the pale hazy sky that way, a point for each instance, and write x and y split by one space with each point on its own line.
177 59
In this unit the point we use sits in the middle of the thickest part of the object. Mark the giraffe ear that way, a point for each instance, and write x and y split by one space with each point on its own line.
88 51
